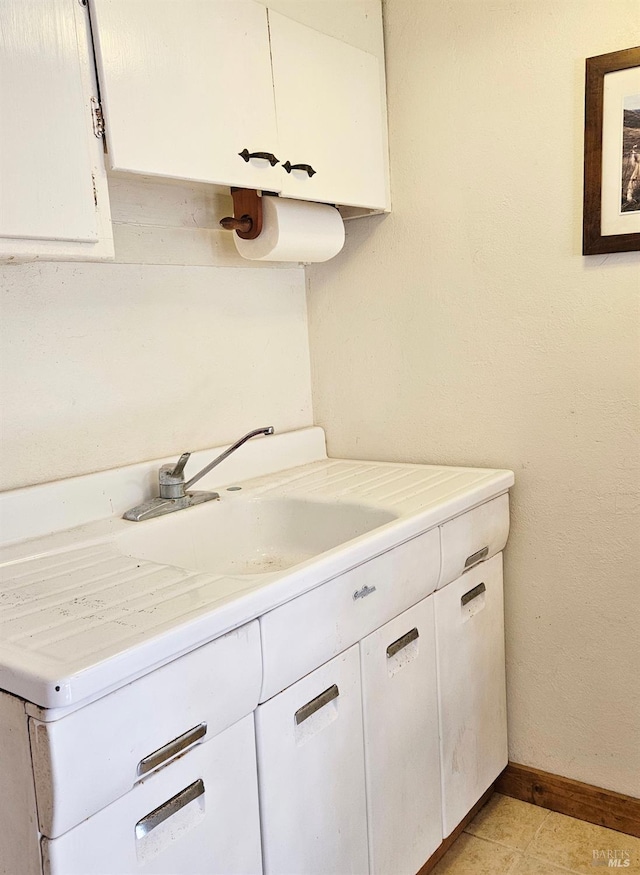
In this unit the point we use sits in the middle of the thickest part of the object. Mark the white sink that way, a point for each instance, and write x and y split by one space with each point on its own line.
241 535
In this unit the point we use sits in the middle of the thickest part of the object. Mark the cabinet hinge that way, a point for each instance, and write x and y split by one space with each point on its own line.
97 117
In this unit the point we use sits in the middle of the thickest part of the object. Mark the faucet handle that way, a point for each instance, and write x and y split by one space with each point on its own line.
179 468
171 478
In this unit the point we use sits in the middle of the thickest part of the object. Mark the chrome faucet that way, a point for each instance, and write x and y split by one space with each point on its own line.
173 489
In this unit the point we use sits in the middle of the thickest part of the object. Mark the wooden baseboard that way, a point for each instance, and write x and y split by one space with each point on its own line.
450 839
593 804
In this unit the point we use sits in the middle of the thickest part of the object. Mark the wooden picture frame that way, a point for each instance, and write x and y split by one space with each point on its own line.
611 222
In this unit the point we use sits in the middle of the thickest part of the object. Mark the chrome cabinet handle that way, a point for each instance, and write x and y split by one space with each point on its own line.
168 808
472 594
363 593
246 155
402 642
476 557
169 750
288 166
314 705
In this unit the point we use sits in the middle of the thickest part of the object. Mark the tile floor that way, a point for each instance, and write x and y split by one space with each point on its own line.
510 837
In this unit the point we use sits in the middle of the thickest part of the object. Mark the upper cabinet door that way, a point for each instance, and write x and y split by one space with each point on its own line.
186 86
329 111
53 201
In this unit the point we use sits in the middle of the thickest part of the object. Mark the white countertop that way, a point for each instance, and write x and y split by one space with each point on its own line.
78 618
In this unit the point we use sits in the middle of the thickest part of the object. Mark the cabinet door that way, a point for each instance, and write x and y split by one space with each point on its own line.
186 86
402 753
329 111
54 201
311 774
471 687
197 816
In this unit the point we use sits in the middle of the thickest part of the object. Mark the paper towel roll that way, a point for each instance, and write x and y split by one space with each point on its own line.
294 231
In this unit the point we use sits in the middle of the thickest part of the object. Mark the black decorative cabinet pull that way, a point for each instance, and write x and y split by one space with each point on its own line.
288 166
246 155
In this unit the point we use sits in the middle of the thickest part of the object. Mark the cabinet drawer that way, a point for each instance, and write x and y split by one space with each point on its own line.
472 537
311 774
304 633
471 687
95 755
199 816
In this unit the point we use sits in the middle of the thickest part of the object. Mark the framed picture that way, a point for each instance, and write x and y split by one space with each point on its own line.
611 217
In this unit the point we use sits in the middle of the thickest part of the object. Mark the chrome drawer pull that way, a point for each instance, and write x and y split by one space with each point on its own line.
472 594
171 749
363 593
315 704
168 808
401 643
476 557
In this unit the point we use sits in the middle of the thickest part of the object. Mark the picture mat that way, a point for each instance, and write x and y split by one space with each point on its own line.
617 86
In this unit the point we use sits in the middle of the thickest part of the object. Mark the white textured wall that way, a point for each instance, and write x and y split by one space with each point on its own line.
103 365
466 328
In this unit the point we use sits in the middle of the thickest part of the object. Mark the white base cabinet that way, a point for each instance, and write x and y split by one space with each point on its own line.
360 766
435 737
197 816
311 774
311 754
402 755
471 687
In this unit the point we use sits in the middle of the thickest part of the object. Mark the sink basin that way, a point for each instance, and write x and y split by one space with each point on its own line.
242 535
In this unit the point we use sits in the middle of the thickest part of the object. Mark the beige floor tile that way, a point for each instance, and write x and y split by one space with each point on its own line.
572 844
508 821
530 866
472 856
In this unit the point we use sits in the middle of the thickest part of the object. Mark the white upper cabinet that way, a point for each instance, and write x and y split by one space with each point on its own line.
329 114
186 86
53 201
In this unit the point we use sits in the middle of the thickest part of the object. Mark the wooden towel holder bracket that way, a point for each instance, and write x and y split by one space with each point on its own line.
247 214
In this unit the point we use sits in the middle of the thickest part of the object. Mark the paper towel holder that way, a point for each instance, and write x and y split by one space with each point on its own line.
247 214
